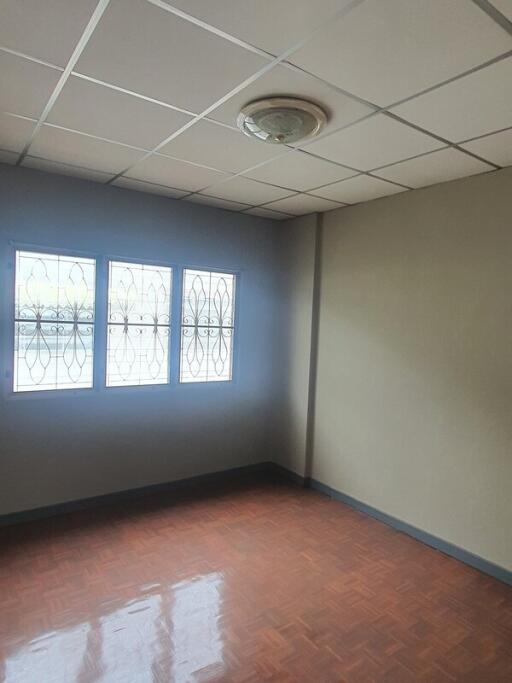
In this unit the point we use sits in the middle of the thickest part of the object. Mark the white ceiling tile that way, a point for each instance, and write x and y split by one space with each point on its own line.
65 169
301 204
281 81
299 171
8 157
25 86
14 132
387 51
218 203
468 107
45 29
268 213
272 25
173 173
243 190
362 188
213 145
148 50
150 188
496 148
504 6
374 142
436 167
66 147
108 113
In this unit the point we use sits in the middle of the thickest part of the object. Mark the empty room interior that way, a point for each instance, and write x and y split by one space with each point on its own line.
255 341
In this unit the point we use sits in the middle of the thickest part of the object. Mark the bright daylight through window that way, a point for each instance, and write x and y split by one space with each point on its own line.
139 300
207 326
53 322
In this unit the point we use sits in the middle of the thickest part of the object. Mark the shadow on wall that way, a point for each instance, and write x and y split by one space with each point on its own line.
297 283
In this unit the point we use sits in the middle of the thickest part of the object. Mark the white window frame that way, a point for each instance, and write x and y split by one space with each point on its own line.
235 334
7 338
142 262
9 345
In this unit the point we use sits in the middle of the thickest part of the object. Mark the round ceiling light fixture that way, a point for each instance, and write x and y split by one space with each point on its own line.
281 120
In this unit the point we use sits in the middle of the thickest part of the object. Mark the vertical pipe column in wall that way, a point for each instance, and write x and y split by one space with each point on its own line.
313 360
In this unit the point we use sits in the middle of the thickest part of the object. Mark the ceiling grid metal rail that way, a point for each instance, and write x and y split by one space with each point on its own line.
272 61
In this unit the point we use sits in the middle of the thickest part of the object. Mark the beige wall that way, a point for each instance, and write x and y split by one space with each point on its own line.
298 268
414 385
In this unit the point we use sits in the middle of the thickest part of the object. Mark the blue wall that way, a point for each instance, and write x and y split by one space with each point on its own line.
55 448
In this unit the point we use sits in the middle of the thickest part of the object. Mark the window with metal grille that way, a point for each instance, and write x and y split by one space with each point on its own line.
207 326
138 322
53 322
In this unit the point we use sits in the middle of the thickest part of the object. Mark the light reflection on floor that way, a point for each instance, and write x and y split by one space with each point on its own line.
168 634
196 638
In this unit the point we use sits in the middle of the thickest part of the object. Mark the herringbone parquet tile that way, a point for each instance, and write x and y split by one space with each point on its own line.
249 583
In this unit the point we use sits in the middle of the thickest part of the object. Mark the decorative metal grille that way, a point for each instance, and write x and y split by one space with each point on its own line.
207 326
138 324
54 322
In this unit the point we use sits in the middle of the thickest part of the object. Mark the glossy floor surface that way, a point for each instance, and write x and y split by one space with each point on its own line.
259 581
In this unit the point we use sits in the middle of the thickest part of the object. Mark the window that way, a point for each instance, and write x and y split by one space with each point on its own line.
53 322
207 326
139 297
57 344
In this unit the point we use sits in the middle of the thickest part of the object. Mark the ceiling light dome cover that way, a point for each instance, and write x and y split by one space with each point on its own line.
281 120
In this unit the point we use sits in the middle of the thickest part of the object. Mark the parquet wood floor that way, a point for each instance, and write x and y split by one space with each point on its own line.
252 582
